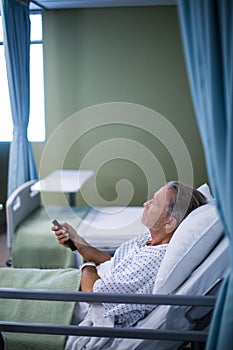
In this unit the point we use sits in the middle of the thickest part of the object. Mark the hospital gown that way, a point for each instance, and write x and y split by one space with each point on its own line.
133 269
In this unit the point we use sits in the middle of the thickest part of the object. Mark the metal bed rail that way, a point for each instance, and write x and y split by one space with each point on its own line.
193 336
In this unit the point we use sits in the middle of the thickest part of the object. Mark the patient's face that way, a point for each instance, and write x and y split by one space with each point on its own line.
154 214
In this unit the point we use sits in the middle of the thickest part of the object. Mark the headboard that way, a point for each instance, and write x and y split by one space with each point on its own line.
15 212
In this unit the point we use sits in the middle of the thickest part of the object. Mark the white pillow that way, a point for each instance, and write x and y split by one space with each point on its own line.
204 189
190 244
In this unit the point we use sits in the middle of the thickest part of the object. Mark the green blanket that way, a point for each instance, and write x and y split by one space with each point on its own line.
56 312
35 245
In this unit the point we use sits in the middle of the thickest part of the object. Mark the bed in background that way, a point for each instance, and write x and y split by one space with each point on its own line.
32 243
29 236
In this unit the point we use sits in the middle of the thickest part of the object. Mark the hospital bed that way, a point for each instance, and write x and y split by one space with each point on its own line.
194 266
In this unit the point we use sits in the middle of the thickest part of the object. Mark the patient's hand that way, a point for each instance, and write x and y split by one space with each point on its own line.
68 232
85 249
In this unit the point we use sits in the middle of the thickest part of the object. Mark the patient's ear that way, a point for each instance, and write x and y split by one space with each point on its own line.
171 225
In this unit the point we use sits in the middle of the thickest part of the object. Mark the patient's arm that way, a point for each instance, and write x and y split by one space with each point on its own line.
92 254
88 252
88 278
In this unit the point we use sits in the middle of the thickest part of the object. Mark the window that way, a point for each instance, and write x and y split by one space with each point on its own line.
36 127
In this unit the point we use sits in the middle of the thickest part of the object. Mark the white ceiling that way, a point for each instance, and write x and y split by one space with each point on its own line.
71 4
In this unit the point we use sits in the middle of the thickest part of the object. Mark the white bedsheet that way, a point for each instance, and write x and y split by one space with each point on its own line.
93 318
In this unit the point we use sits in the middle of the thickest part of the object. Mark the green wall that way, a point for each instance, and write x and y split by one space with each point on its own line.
128 55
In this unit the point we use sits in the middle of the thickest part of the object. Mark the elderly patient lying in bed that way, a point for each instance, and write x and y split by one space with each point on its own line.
135 264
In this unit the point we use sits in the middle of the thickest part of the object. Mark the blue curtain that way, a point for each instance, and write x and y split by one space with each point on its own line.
207 32
16 28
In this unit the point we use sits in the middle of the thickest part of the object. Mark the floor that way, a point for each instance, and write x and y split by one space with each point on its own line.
4 251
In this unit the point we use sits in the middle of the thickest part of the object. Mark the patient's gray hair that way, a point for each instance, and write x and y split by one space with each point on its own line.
184 201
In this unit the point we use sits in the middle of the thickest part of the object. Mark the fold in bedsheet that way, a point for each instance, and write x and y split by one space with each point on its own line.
35 245
56 312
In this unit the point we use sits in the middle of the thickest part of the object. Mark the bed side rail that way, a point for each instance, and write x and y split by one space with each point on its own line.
195 336
20 204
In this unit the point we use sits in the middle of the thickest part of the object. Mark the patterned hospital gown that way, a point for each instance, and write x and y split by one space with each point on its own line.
134 268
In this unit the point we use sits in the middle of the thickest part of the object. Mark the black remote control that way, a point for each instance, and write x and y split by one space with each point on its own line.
69 242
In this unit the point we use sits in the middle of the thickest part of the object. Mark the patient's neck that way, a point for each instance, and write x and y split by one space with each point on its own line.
159 237
154 243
